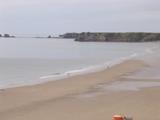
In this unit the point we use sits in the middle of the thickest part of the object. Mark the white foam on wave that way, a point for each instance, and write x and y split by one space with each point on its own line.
151 50
90 69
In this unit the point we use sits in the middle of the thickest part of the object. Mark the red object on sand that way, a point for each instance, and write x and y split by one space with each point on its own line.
117 117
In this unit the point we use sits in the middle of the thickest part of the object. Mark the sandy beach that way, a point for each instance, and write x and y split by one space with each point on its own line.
79 59
83 97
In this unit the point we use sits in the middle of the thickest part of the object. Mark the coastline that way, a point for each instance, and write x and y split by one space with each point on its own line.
127 87
64 75
30 71
16 101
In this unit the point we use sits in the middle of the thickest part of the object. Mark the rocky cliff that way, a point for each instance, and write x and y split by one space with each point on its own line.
70 35
118 37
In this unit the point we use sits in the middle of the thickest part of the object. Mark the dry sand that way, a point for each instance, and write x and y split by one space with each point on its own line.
79 98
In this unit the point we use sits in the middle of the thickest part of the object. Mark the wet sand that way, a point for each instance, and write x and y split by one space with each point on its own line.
84 97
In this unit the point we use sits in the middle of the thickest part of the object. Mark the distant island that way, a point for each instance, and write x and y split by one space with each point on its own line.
113 37
70 35
7 36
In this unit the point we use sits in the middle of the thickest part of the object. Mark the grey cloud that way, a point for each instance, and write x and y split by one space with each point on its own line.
47 16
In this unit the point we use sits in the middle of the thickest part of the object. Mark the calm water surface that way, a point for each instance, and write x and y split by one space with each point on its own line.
24 60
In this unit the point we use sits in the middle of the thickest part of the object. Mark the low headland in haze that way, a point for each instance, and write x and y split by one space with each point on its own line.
105 36
7 36
113 37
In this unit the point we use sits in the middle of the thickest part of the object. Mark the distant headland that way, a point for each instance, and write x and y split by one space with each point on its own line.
104 36
113 37
7 36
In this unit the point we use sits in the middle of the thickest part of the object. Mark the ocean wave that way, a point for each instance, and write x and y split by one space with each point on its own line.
97 68
152 50
90 69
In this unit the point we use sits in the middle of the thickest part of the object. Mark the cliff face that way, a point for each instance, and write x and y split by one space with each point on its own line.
70 35
118 37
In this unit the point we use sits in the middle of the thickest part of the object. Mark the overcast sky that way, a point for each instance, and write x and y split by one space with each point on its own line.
59 16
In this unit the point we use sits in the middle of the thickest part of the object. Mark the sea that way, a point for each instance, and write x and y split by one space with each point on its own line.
29 61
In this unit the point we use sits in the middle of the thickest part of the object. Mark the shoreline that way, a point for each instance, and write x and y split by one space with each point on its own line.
83 71
93 96
23 97
31 71
106 68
